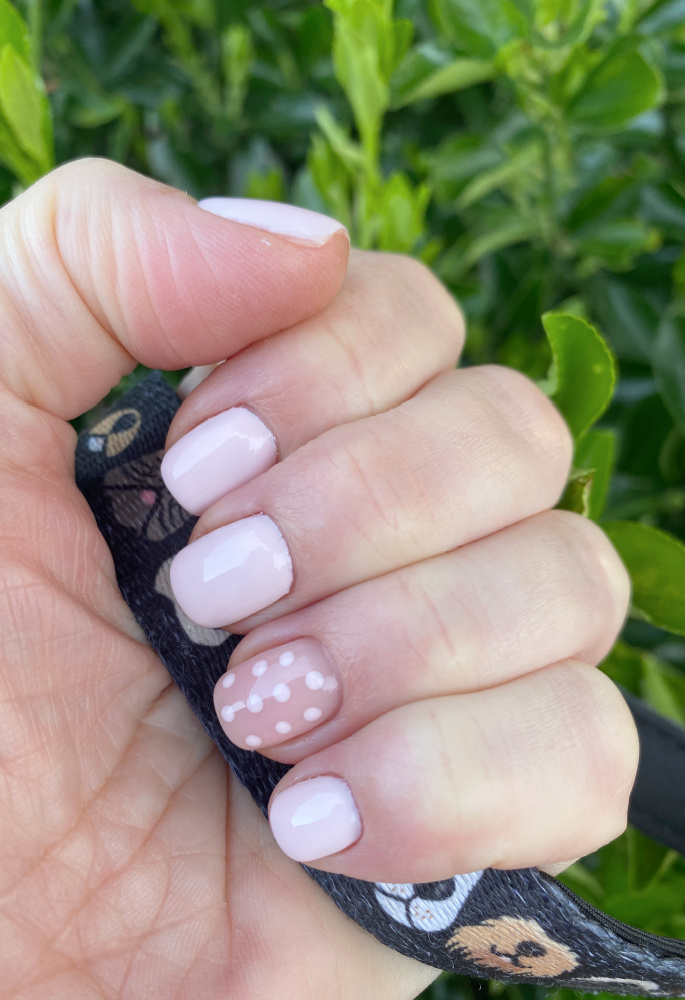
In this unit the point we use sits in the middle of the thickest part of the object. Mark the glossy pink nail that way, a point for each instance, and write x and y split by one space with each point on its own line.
280 694
315 818
232 572
298 225
216 457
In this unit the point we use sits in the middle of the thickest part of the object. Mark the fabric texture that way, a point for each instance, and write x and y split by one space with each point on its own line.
516 926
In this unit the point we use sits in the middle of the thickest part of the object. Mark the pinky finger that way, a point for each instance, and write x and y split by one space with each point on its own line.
508 777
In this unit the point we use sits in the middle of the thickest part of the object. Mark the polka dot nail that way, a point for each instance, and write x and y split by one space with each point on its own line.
280 694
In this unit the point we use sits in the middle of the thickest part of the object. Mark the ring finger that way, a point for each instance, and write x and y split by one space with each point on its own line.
546 589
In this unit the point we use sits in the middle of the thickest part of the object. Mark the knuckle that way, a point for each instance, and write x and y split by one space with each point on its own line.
603 581
605 734
530 416
408 290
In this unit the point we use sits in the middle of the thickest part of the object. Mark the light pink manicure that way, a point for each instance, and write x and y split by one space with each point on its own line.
232 572
217 456
315 818
298 225
278 695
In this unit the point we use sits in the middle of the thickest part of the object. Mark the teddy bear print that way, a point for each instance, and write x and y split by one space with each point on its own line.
513 944
141 501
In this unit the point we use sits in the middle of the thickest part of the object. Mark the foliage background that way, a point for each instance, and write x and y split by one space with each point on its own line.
531 151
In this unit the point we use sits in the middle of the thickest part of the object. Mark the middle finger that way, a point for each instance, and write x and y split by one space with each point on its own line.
474 451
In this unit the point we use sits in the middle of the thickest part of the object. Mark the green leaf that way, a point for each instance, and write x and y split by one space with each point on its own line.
605 199
664 688
628 316
664 207
656 563
360 42
623 86
615 244
463 255
456 161
236 60
13 30
517 163
15 158
331 179
350 153
481 27
596 451
577 494
402 211
457 75
564 28
21 104
624 666
663 17
583 370
669 366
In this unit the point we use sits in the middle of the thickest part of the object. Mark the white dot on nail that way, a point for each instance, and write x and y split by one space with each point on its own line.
254 703
281 692
253 741
312 714
285 659
259 668
227 713
228 680
314 680
283 727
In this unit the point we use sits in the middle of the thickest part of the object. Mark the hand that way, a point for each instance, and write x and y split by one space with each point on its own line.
422 630
122 837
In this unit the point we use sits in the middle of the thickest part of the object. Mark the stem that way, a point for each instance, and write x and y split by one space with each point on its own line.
550 190
35 26
667 863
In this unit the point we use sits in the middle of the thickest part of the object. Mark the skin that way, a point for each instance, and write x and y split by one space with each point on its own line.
130 863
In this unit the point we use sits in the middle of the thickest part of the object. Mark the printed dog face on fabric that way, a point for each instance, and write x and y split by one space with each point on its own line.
513 944
430 906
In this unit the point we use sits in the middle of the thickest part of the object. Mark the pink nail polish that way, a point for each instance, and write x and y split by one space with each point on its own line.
298 225
315 818
216 457
232 572
278 695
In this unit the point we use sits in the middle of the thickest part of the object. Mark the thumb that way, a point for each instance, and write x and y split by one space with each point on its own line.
101 268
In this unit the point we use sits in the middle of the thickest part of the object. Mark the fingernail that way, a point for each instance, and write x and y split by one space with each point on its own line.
315 818
278 695
557 867
217 456
232 572
299 225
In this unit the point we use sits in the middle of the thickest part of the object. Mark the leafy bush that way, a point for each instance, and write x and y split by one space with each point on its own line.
531 151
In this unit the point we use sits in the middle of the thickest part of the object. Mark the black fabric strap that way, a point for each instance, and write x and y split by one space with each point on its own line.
517 926
657 802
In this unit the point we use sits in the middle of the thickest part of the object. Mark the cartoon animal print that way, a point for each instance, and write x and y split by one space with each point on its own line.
114 433
198 634
513 944
426 906
141 501
604 982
